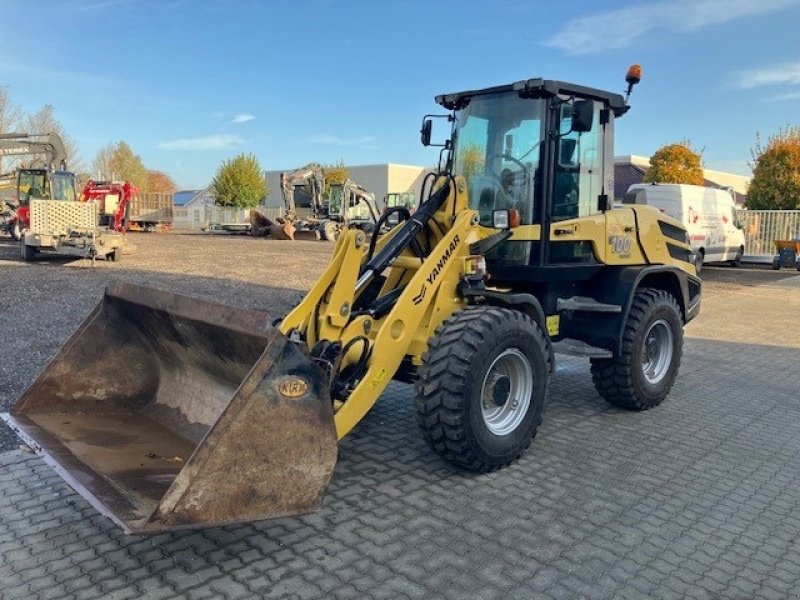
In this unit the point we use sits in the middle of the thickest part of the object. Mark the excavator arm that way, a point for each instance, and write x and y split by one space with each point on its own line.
311 174
49 145
360 196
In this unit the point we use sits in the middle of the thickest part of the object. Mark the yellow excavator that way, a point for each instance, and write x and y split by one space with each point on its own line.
169 412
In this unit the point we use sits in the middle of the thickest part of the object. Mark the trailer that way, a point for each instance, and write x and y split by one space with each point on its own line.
68 228
150 212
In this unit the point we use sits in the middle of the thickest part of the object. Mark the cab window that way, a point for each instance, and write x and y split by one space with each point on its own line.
578 177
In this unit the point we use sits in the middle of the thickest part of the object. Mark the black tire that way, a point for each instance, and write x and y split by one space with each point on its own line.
16 231
776 264
26 252
698 261
114 256
737 260
622 380
448 392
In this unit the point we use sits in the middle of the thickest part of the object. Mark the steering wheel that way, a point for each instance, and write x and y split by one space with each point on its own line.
507 157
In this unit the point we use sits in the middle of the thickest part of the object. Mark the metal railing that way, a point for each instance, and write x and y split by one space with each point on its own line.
763 227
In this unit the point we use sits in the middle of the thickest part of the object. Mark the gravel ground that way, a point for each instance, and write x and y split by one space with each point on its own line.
44 301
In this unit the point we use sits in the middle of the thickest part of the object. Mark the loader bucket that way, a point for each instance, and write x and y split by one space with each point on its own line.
168 412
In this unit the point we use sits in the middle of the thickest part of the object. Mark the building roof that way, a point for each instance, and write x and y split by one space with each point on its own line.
183 197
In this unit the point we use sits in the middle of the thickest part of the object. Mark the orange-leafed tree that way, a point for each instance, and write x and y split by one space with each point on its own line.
334 174
675 163
160 183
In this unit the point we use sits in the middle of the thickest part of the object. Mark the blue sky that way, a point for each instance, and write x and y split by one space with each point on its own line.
190 83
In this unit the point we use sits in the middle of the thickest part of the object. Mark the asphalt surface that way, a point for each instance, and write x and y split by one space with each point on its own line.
697 498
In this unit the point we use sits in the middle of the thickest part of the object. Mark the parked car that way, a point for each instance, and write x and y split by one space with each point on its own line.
709 215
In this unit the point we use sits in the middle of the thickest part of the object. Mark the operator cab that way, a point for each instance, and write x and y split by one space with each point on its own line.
540 148
41 184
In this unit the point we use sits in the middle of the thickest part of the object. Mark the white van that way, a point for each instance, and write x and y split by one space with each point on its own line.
709 215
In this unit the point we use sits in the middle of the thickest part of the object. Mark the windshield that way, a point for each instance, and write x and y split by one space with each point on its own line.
335 200
33 184
497 143
64 187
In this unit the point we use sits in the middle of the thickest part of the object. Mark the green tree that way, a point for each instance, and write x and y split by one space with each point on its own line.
336 173
239 182
675 163
776 172
124 165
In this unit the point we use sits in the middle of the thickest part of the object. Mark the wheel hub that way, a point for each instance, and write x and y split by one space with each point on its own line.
501 390
506 392
657 351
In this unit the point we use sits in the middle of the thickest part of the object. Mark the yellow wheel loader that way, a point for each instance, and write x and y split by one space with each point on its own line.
169 412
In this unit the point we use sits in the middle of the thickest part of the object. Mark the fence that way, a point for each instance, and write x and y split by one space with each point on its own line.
206 216
763 227
151 208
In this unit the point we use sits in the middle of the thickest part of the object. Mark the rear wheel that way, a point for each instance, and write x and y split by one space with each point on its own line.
481 390
737 260
698 261
642 376
330 231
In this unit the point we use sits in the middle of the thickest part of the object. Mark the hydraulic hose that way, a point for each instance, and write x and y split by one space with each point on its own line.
402 238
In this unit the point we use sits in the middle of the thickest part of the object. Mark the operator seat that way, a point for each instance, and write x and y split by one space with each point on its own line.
566 178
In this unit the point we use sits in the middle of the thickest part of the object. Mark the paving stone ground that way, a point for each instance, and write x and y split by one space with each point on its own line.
697 498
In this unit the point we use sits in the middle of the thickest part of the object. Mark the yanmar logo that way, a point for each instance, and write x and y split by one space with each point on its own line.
440 265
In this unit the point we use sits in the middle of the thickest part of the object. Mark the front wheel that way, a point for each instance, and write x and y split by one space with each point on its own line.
652 342
330 231
16 230
481 389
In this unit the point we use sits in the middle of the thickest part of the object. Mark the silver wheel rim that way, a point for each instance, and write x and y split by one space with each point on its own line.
506 392
657 351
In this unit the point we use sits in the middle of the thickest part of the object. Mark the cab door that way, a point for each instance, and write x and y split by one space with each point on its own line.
581 183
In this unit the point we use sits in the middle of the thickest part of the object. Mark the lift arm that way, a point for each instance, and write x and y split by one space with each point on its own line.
49 145
311 173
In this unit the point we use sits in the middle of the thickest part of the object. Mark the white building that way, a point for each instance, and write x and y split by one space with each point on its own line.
379 179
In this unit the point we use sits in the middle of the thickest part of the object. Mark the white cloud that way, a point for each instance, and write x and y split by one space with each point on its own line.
335 140
216 141
622 27
779 74
786 96
242 118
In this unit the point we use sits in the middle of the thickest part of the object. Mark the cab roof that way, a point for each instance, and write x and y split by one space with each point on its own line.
537 88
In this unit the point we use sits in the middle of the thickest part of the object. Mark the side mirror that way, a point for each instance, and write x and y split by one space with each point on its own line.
582 116
427 126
